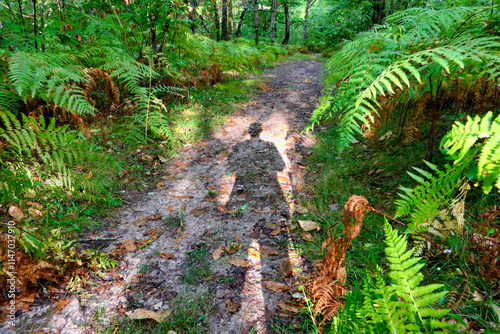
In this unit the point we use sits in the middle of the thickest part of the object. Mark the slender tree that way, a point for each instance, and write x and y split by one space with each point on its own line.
309 4
216 19
35 32
242 16
274 8
287 23
225 35
256 20
231 22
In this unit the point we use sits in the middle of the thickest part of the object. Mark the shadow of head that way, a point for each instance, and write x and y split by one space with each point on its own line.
255 129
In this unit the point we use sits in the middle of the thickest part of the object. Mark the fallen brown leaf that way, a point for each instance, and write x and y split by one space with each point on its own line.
167 256
147 314
275 232
268 250
16 213
221 156
182 196
284 179
160 185
306 236
309 225
287 306
300 187
231 306
237 262
129 245
170 208
298 208
35 212
275 286
272 226
218 253
198 211
140 221
182 237
236 237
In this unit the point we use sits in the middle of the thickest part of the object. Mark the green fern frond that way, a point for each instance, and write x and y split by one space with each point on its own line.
405 306
47 156
433 192
461 139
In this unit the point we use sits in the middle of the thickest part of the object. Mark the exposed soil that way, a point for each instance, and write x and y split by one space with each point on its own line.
235 192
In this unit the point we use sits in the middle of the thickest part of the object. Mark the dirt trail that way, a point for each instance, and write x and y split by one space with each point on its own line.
232 190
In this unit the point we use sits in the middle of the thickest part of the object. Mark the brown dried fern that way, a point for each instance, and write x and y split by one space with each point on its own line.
326 281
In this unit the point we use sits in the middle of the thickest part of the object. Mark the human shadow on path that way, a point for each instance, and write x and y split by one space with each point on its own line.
256 199
255 164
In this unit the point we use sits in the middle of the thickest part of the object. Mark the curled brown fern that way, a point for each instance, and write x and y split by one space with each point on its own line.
326 281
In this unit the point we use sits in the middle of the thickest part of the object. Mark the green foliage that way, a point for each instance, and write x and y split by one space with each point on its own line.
403 306
411 57
47 157
459 142
56 78
473 160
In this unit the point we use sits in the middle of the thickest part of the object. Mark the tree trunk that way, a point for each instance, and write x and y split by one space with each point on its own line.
256 20
242 15
287 24
230 18
225 36
309 4
42 30
192 16
274 8
216 20
378 12
35 32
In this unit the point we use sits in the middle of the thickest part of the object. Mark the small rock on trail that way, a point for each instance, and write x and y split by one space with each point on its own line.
230 197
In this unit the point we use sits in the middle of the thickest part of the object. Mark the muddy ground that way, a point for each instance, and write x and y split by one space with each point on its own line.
230 200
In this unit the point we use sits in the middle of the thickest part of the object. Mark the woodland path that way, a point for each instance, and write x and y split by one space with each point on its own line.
233 193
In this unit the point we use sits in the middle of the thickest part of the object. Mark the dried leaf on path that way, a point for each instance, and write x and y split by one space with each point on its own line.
140 221
218 253
275 286
35 212
160 185
231 306
288 306
182 196
147 314
275 232
221 156
306 236
182 237
198 211
16 213
268 250
298 208
129 245
237 262
309 225
167 256
284 179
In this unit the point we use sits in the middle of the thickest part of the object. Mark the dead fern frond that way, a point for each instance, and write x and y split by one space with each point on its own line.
326 281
